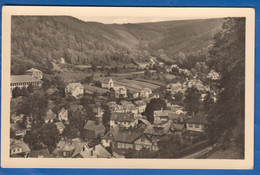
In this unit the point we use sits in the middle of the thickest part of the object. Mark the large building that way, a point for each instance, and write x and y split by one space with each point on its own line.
23 81
74 89
35 73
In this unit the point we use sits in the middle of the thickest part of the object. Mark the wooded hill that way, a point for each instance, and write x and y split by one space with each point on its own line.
38 40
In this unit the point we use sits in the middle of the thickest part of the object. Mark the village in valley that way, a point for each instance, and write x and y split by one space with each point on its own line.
110 116
170 89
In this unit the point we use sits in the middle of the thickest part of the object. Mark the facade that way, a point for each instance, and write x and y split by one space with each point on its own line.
141 106
161 116
197 123
120 91
69 148
60 126
35 73
145 93
63 115
125 120
74 89
50 116
23 81
19 148
107 83
133 140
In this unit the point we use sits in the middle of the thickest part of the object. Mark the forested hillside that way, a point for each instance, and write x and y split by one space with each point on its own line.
36 41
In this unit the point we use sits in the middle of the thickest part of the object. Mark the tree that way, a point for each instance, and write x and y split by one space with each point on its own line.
155 104
16 92
147 74
98 84
70 132
106 115
49 135
192 100
30 88
227 115
35 106
24 91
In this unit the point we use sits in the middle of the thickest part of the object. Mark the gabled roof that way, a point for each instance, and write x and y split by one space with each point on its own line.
127 137
106 80
74 85
23 79
200 118
99 151
75 144
33 70
59 125
50 115
122 117
62 109
42 152
111 133
91 125
20 144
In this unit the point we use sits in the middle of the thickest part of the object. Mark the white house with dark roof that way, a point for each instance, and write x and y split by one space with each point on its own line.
63 115
19 148
74 89
107 83
120 91
125 120
197 123
35 73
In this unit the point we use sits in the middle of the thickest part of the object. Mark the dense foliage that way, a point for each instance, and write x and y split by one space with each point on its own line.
38 41
228 57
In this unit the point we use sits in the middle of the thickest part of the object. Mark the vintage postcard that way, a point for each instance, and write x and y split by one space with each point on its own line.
127 87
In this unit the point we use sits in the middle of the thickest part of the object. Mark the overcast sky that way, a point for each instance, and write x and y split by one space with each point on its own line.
123 20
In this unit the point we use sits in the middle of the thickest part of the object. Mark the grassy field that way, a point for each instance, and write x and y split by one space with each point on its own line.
94 89
132 85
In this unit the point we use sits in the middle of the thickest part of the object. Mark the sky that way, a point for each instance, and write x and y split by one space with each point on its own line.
124 20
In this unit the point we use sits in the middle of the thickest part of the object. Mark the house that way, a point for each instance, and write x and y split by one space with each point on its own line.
125 140
146 142
141 106
129 106
145 92
134 140
63 115
197 123
50 117
107 139
62 60
94 128
107 83
158 130
23 81
60 126
42 153
97 151
115 107
69 148
152 62
125 120
161 116
35 73
19 148
120 91
161 64
74 89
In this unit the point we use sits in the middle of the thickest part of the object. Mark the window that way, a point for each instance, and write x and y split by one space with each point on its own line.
190 125
197 125
142 139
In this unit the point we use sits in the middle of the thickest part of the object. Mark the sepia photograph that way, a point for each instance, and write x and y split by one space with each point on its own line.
166 86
